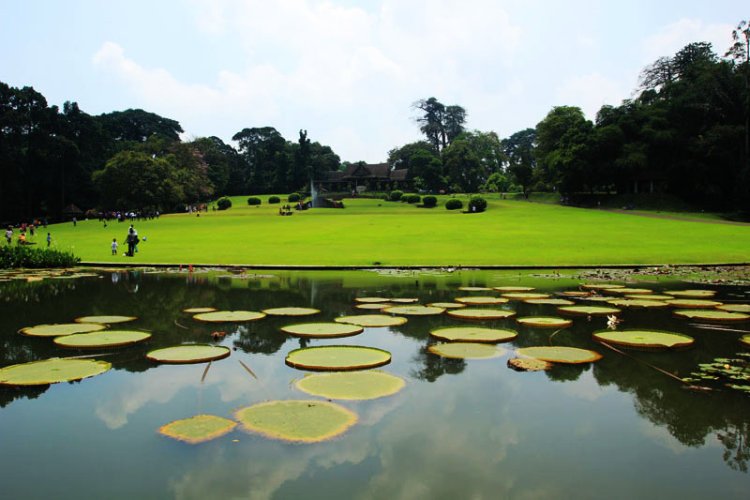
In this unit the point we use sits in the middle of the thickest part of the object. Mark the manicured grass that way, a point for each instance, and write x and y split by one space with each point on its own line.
370 231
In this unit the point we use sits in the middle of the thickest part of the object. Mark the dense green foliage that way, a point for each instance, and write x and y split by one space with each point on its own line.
396 195
22 256
253 200
412 198
223 203
429 201
293 198
477 204
454 204
274 199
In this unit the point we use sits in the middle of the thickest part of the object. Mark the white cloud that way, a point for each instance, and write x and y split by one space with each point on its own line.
675 36
590 92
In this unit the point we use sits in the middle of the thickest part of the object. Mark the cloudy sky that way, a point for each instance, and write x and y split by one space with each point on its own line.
345 70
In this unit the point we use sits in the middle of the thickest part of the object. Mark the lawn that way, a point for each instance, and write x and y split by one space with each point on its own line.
375 232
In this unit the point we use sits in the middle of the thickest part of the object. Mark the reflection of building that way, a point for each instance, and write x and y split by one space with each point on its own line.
373 177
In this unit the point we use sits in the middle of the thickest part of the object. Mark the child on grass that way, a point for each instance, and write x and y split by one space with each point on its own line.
114 246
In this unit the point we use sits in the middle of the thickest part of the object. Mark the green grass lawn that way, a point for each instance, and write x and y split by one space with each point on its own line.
376 232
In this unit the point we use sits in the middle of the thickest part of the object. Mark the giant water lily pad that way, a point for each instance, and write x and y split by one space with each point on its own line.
576 293
481 300
374 306
229 316
745 339
600 286
107 320
52 371
588 310
644 339
693 303
711 315
474 288
557 354
466 350
550 302
447 305
638 303
480 314
322 330
372 320
351 385
291 311
545 322
415 310
513 288
692 294
297 421
629 291
101 339
337 358
198 429
528 364
59 329
371 300
198 310
474 334
649 296
405 300
525 295
185 354
738 308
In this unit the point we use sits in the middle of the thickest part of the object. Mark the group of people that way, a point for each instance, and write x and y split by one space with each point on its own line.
22 239
131 240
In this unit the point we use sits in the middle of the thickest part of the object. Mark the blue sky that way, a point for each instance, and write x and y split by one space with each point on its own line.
347 71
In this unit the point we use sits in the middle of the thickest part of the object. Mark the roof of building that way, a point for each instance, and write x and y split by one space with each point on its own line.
374 171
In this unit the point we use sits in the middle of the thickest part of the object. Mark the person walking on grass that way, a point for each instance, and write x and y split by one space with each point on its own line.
114 246
49 239
9 235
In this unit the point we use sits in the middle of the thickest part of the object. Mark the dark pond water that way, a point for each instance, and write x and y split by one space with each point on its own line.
460 429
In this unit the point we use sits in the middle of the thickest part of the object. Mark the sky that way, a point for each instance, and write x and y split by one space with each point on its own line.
347 71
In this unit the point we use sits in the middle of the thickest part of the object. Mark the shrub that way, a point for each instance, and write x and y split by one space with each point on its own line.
223 203
413 198
386 197
293 198
429 201
454 204
253 200
396 195
273 199
477 204
14 256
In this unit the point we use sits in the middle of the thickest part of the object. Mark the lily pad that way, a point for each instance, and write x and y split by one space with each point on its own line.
711 315
415 310
185 354
372 320
371 300
480 314
351 385
106 338
51 371
545 322
693 303
550 302
576 293
692 294
528 364
291 311
337 358
525 295
644 339
588 310
558 354
643 303
229 316
738 308
297 421
629 291
447 305
59 329
600 286
322 330
198 429
474 288
405 300
474 334
198 310
481 300
649 296
466 350
373 306
745 339
107 320
512 288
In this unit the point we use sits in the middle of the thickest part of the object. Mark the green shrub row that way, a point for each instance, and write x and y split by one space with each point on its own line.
454 204
272 200
15 256
223 203
253 200
429 201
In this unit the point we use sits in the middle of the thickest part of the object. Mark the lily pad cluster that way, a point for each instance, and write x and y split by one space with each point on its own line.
732 373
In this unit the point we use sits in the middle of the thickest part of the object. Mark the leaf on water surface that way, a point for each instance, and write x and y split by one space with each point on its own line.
481 300
545 322
415 310
558 354
322 330
351 385
229 316
474 334
198 429
107 320
186 354
528 364
102 339
588 310
466 350
372 320
51 371
337 358
59 329
480 314
644 339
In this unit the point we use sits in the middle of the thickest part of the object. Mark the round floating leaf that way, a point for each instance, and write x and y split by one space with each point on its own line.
106 338
107 320
650 296
525 295
291 311
194 353
711 315
229 316
366 300
480 314
351 385
629 291
545 322
513 288
738 308
198 429
481 301
405 300
337 358
528 364
447 305
198 310
322 330
555 354
692 294
373 306
373 320
59 329
745 339
644 339
637 303
415 310
52 371
550 302
588 310
600 286
466 350
474 334
576 293
297 421
693 303
474 288
598 298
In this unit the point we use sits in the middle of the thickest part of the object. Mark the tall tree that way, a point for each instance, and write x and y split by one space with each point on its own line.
431 123
519 152
261 147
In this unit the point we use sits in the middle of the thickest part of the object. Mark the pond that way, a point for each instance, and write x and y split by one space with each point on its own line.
621 427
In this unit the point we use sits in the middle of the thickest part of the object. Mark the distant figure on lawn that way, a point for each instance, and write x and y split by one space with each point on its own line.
9 235
114 246
49 239
130 239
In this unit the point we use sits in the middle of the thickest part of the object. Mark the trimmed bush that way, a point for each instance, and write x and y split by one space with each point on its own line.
477 204
413 198
429 201
253 200
396 195
273 199
454 204
15 256
223 203
293 198
386 197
